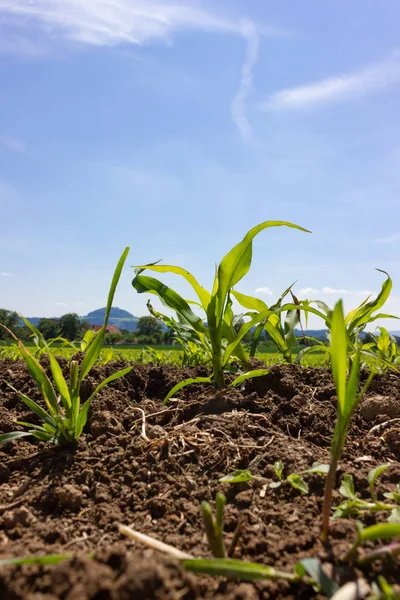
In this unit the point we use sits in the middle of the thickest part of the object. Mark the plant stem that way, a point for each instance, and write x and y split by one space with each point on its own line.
329 485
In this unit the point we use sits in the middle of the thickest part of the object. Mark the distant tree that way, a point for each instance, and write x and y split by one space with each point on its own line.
10 319
124 331
49 328
149 328
70 326
110 339
247 338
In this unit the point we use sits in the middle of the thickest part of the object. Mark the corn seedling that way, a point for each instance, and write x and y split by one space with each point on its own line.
214 525
382 531
348 398
64 417
217 336
294 479
280 331
383 349
382 590
352 505
355 321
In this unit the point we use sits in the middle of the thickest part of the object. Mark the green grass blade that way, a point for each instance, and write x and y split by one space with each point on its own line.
114 282
60 382
234 569
250 375
92 354
314 569
49 559
383 531
362 315
13 435
339 354
34 407
241 476
185 383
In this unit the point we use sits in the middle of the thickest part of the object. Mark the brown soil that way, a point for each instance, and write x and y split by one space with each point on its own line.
153 473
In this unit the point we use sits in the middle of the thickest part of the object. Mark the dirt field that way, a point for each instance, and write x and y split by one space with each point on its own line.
153 474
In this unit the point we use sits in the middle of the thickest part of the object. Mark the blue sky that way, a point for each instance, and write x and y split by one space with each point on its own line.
174 127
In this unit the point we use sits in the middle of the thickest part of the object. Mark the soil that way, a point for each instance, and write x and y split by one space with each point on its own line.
149 466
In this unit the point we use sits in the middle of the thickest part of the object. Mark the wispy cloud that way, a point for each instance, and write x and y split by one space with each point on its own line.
340 88
113 22
389 239
335 291
12 144
263 290
6 274
238 105
64 304
330 291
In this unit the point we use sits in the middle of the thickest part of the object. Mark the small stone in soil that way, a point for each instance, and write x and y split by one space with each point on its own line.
69 496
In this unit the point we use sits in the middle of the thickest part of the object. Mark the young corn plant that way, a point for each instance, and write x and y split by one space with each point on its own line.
281 331
348 398
383 349
217 335
355 321
352 505
64 416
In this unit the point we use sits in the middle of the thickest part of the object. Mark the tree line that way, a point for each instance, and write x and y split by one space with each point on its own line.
149 331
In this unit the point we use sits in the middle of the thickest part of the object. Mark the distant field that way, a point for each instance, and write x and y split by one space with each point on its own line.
165 354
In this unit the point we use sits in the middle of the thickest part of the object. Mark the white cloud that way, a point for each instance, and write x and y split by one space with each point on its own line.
238 105
335 291
12 144
337 89
263 290
6 274
62 304
308 290
113 22
390 239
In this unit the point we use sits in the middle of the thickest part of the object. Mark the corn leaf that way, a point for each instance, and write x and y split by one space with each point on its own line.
241 476
203 295
339 355
234 569
378 532
49 559
60 382
185 383
250 375
13 435
33 406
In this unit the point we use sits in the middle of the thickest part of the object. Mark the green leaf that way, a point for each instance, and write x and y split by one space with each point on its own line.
394 515
249 302
278 468
250 375
184 383
235 569
49 559
203 295
317 468
373 476
298 483
339 345
109 379
34 407
379 532
314 569
236 264
95 346
60 382
170 298
13 435
240 476
347 489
